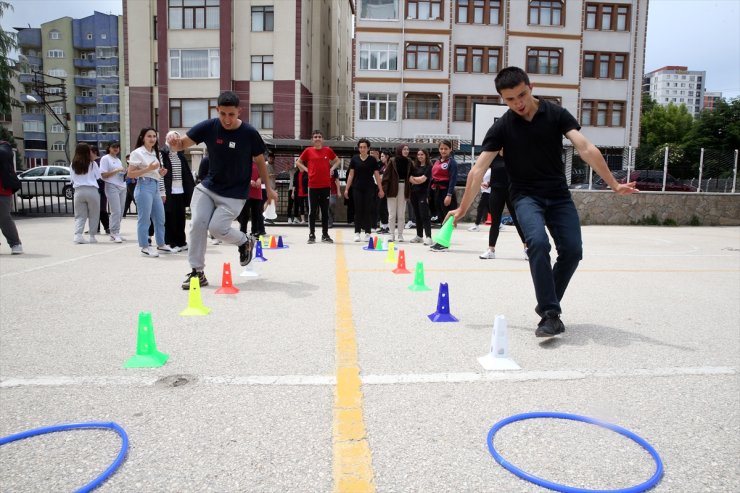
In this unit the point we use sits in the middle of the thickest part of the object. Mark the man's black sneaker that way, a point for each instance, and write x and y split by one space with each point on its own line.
311 238
198 275
438 248
549 326
326 239
245 251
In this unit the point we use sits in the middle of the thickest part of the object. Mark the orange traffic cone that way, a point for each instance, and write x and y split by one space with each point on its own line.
227 287
273 242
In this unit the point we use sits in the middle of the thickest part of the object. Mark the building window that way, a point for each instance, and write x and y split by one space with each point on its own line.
55 34
552 99
261 116
378 56
263 18
478 12
262 68
193 14
57 72
544 61
378 107
477 59
33 126
424 9
58 146
423 56
194 64
422 106
379 9
598 65
543 13
107 52
55 53
607 17
188 112
89 36
602 113
56 129
463 106
111 71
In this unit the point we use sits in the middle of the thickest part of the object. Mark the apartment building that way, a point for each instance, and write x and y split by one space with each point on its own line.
678 85
70 72
290 62
711 99
421 65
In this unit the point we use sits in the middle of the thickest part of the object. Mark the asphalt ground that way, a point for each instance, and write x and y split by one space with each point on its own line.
325 373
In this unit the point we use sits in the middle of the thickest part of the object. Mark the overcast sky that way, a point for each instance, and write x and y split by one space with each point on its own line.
698 34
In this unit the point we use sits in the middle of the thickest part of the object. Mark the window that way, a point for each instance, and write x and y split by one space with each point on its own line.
58 146
57 129
463 106
379 9
57 109
378 56
55 53
607 17
55 34
378 106
552 99
263 18
542 13
544 61
424 9
107 52
89 36
108 71
422 106
193 14
107 108
477 59
262 68
33 126
478 12
423 56
57 72
598 65
188 112
103 36
194 64
602 113
87 127
261 116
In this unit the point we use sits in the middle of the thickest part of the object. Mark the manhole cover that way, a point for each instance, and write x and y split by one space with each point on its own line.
175 380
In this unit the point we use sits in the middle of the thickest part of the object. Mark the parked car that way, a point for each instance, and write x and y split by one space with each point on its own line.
647 181
46 181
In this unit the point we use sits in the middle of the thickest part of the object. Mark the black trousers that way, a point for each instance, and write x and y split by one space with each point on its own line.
318 198
174 220
439 204
252 210
364 209
420 206
484 208
499 198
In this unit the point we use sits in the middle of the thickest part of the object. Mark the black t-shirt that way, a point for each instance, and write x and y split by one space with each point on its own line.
534 149
230 153
421 171
364 171
402 167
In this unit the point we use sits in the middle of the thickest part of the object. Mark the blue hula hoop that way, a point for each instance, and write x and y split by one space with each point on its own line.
570 489
77 426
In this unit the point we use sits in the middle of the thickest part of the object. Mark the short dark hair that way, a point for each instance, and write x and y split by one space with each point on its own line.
510 77
364 141
228 98
317 132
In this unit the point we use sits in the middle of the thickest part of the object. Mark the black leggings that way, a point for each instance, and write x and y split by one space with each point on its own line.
420 206
318 198
299 204
365 208
439 196
499 197
484 207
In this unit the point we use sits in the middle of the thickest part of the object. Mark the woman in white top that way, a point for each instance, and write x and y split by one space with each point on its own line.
112 171
85 175
144 164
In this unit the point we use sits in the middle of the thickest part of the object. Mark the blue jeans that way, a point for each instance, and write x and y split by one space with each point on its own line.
561 219
150 208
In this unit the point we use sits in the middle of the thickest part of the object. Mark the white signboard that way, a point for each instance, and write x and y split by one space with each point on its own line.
484 115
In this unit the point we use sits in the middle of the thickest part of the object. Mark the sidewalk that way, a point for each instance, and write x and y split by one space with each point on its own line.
246 401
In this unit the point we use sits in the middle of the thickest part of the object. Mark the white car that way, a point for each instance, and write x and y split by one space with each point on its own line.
46 181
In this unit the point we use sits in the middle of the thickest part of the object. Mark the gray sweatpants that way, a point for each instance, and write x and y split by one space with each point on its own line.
7 225
87 206
116 200
215 214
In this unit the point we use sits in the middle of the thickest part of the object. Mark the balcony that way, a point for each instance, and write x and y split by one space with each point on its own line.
84 81
34 136
87 136
27 78
84 62
33 117
85 100
113 99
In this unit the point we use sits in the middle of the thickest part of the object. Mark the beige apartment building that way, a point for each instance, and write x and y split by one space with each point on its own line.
422 64
290 62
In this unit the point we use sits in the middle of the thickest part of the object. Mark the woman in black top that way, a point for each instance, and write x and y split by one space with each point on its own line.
395 176
362 169
178 187
420 176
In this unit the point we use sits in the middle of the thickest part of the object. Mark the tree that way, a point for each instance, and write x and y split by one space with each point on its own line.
7 44
718 128
665 125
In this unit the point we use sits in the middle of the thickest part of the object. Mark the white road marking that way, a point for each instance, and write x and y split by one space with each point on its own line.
65 261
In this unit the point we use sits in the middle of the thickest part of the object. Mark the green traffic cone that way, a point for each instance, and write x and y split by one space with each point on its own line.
419 279
146 355
445 233
379 244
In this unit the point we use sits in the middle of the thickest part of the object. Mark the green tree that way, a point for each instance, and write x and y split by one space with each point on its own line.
665 125
7 44
718 128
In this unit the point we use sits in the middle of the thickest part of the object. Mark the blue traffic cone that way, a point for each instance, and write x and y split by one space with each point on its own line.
443 306
258 256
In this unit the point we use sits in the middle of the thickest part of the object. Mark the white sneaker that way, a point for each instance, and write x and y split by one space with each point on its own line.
80 239
184 248
500 227
215 241
167 249
391 238
92 239
416 239
427 241
410 225
399 239
474 227
488 254
116 238
290 220
526 255
149 251
357 237
16 249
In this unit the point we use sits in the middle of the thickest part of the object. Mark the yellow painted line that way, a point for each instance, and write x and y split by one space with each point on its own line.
352 461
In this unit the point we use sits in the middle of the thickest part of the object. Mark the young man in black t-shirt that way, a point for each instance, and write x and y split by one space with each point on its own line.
232 147
531 132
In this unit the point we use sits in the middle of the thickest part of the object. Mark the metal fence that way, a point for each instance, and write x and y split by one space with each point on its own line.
48 197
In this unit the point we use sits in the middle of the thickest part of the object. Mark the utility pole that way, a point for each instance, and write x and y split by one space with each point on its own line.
51 93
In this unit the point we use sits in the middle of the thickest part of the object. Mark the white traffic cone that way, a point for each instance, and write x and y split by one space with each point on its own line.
498 358
249 271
